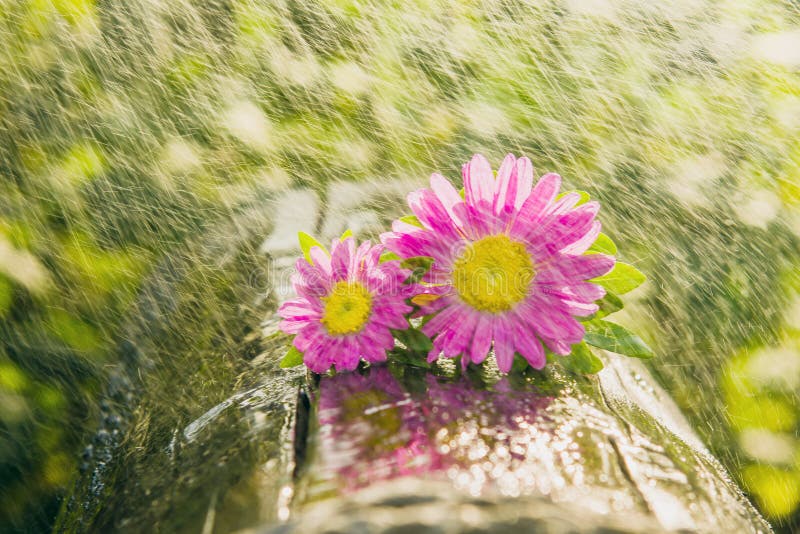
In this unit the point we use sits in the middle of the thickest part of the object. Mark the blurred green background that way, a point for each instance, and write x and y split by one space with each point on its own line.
127 129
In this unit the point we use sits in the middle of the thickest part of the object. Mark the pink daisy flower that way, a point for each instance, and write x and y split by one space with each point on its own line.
509 267
347 302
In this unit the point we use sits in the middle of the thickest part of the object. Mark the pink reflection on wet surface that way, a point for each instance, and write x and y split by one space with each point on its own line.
373 429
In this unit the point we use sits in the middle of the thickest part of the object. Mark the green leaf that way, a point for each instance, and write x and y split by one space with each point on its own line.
388 255
609 304
519 364
584 196
621 279
407 357
616 338
413 220
414 340
293 358
347 233
419 265
306 242
582 360
604 245
417 261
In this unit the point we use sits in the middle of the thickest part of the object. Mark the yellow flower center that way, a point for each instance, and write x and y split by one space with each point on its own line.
347 308
493 274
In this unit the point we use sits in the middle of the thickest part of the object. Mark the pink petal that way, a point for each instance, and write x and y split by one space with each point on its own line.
568 269
316 361
402 227
430 211
434 307
549 318
321 260
463 330
482 340
480 222
585 292
312 337
373 258
506 185
559 231
385 315
503 345
419 243
298 309
369 351
331 351
382 282
529 347
538 200
478 181
390 305
341 252
573 225
348 355
447 195
311 294
292 326
445 339
524 181
448 332
357 260
563 204
378 336
559 347
582 245
313 277
581 309
437 324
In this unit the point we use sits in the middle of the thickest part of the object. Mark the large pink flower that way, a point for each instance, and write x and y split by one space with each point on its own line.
347 302
509 265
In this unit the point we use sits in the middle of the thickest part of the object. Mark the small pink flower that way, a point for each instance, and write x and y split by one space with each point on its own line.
509 267
347 302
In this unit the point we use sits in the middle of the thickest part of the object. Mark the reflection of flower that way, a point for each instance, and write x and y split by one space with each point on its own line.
393 433
370 418
346 304
508 258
